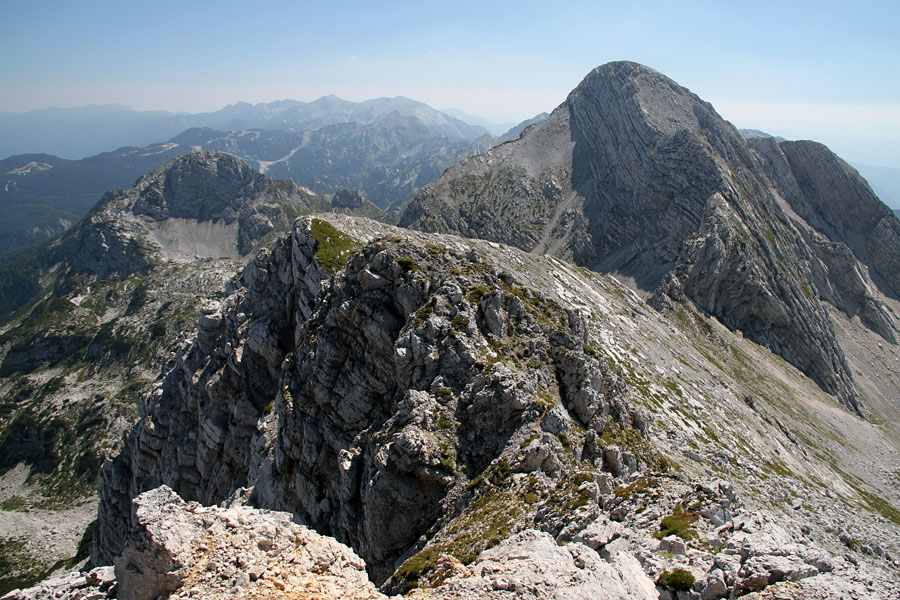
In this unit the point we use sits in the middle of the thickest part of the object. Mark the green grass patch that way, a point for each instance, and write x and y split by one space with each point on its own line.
635 488
459 322
409 265
333 248
445 423
679 524
477 293
488 520
13 503
17 568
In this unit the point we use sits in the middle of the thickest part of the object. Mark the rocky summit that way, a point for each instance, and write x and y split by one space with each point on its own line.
659 362
635 175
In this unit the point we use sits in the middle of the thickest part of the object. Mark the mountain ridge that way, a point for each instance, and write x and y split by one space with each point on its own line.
343 457
129 127
635 175
388 159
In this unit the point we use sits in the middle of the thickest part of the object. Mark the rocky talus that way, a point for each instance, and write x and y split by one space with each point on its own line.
186 550
474 421
635 175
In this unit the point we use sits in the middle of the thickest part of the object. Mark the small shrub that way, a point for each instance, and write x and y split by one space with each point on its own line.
409 265
527 441
459 322
680 580
477 293
443 422
157 329
502 472
448 462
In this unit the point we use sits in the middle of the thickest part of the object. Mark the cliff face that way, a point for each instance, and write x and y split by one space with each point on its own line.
359 403
635 175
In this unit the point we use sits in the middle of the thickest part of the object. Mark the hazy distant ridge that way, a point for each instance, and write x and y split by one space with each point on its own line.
80 132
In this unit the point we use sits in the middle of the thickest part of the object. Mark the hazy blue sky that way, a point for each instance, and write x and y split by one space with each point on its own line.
823 70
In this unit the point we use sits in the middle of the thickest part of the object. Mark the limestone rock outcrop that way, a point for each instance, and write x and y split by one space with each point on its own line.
179 549
185 550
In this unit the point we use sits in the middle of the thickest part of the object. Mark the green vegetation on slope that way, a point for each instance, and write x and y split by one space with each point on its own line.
333 248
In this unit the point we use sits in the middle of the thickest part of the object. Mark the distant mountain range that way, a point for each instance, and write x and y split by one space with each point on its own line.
387 148
494 128
80 132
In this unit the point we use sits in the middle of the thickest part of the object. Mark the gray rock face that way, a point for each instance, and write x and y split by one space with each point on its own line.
201 186
835 200
93 585
141 274
844 225
838 203
359 402
635 175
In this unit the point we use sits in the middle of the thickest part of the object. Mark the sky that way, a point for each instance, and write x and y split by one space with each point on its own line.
821 70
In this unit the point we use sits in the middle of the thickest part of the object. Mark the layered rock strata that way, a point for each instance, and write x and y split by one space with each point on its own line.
635 175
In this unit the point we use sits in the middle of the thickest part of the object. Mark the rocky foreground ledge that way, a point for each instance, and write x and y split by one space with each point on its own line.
185 550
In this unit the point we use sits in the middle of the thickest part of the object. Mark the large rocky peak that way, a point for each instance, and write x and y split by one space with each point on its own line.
649 158
199 205
203 186
635 175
